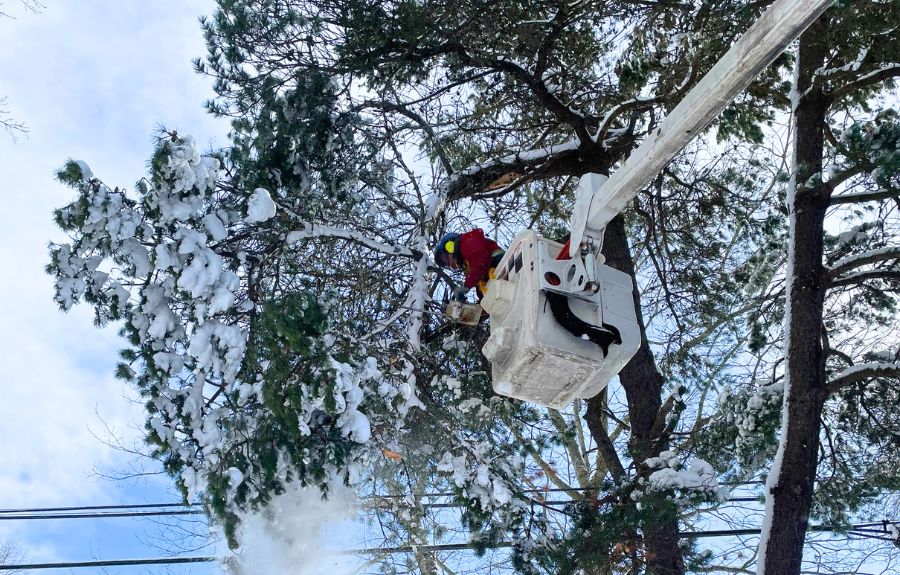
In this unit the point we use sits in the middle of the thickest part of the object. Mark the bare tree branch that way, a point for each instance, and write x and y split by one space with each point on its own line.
310 231
862 372
11 553
844 265
426 126
30 5
864 197
629 106
861 277
10 125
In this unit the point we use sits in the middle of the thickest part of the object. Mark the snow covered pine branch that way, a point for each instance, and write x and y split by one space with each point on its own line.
246 388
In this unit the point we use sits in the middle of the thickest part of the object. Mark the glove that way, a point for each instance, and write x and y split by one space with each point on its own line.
459 293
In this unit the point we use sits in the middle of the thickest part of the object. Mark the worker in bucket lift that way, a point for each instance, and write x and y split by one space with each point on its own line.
475 254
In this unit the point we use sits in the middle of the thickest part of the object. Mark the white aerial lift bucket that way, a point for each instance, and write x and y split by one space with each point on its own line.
534 356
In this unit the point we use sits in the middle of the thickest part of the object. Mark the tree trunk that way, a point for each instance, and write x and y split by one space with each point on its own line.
791 480
643 386
597 425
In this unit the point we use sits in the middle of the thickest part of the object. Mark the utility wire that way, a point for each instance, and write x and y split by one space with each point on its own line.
67 512
100 515
110 563
368 497
869 527
681 535
94 507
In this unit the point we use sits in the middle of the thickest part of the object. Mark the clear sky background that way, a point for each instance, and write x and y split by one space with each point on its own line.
91 79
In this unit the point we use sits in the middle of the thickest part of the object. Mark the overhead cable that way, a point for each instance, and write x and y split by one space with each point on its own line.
866 527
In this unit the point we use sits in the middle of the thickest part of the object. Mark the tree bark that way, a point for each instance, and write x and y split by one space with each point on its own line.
597 425
792 478
643 386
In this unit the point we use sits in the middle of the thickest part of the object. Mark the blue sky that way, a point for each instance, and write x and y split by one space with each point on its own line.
91 80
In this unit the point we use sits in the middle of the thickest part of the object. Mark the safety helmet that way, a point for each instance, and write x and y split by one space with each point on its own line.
446 245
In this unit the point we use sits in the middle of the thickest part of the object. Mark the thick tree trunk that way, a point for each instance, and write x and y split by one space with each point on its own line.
790 487
643 386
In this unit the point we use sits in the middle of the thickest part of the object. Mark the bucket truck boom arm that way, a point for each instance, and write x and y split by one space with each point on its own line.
598 202
564 324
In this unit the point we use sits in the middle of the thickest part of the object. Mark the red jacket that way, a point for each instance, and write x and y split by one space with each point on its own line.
476 252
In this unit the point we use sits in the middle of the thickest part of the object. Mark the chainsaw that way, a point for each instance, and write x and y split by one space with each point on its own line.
463 312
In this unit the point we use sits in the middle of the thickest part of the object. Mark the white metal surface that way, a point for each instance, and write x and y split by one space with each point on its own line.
756 49
533 357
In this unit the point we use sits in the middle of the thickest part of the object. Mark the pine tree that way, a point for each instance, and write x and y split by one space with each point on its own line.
491 65
247 388
824 353
282 312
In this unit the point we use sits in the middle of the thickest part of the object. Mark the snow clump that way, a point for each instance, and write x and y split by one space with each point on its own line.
260 207
669 474
295 534
86 172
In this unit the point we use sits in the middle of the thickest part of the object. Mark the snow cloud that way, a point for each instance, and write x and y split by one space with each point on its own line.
296 535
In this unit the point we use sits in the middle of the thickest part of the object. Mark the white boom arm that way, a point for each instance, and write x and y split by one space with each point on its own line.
561 329
598 202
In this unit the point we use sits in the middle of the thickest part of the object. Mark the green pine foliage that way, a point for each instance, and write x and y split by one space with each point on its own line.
375 127
246 388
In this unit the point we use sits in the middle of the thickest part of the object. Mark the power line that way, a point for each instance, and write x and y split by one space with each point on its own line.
368 497
553 490
36 513
681 535
863 527
110 563
100 515
94 507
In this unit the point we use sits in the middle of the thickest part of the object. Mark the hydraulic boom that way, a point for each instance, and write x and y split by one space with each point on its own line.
562 323
756 49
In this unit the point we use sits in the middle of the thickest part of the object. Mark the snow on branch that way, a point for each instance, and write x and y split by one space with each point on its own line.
862 372
863 276
857 260
635 104
851 67
885 72
864 197
667 472
530 156
312 231
556 160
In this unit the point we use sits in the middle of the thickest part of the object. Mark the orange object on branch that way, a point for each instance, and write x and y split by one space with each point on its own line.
392 455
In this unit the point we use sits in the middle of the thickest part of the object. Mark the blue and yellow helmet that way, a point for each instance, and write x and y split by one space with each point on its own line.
446 245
